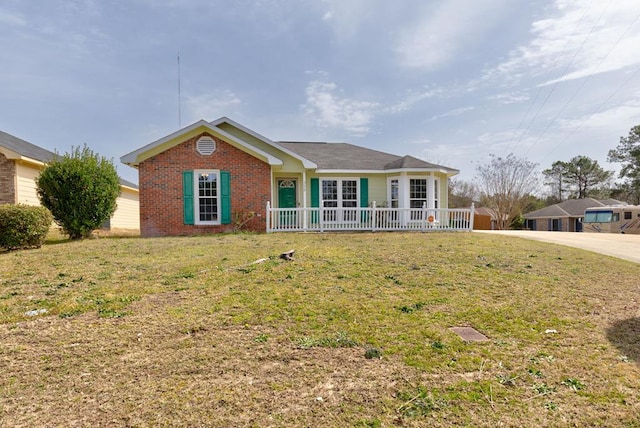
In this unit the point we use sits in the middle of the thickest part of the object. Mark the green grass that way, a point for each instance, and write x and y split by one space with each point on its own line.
184 331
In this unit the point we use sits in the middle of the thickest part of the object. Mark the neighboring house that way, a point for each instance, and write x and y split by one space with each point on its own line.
213 176
565 216
20 164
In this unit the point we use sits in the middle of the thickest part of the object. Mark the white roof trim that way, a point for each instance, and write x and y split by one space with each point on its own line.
305 162
15 156
271 160
384 171
131 159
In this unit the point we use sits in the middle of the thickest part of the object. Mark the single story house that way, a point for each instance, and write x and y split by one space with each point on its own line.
20 164
214 176
565 216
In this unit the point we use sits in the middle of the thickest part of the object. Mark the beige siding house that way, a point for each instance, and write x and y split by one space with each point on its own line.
20 164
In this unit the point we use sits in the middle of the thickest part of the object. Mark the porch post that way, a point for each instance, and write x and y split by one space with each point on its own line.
374 219
424 216
473 214
403 199
268 217
305 217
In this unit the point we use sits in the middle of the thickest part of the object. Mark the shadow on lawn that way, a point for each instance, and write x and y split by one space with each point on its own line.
625 335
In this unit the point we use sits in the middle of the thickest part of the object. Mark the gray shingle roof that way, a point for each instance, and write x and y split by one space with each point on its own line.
570 208
344 156
31 151
25 148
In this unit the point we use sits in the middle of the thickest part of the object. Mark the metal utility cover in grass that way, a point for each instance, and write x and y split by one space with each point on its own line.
469 334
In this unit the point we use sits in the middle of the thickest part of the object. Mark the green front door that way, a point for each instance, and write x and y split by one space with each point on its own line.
287 198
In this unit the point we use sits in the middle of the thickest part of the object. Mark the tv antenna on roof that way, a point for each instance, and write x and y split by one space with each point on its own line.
179 98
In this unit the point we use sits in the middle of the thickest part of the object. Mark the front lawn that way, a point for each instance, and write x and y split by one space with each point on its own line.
354 332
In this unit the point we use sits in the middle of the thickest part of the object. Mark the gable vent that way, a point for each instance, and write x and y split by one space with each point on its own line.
206 145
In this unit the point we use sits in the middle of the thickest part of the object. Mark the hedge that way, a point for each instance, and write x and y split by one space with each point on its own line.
23 226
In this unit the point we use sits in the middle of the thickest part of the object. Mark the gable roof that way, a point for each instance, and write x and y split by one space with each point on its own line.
134 158
349 157
17 148
570 208
320 156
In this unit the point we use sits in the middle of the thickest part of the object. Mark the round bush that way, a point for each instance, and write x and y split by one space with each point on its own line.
23 226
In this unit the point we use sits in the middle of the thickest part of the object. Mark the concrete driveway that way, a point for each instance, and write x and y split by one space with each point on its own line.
612 244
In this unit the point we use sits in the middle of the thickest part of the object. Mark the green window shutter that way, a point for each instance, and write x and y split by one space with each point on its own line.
187 197
315 198
364 192
225 197
364 197
315 192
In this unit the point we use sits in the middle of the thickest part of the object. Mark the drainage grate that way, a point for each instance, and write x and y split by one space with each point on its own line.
469 334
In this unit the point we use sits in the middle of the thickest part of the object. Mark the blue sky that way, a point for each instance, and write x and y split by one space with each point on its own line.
448 81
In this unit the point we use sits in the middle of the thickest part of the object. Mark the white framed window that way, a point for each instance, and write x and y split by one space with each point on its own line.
394 193
418 192
207 196
206 145
436 192
340 193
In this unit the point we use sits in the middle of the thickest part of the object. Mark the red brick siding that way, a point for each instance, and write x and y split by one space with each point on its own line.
160 181
7 181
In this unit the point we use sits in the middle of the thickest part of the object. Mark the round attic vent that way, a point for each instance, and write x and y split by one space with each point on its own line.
206 146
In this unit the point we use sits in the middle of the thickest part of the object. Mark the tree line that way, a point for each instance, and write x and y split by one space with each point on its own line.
510 186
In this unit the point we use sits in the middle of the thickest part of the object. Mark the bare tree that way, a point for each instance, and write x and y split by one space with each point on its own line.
462 193
505 183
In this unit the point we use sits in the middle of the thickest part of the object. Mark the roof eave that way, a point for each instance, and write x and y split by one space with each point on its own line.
385 171
305 162
270 159
448 172
134 158
10 154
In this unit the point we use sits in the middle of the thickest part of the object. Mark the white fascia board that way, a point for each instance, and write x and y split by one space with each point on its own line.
270 159
385 171
10 154
131 159
349 171
124 186
305 162
31 161
449 172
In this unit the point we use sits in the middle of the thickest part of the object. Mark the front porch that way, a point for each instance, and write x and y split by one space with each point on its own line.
321 219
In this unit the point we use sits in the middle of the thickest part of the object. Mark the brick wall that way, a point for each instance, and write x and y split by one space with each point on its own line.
7 181
160 181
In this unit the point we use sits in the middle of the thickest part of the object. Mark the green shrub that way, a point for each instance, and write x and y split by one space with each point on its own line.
23 226
80 190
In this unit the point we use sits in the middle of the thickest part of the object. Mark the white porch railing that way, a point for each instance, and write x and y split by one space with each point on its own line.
368 219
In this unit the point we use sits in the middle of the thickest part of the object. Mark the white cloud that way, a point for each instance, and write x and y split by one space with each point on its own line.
443 31
578 39
455 112
621 116
14 19
414 98
210 106
346 17
510 98
331 111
